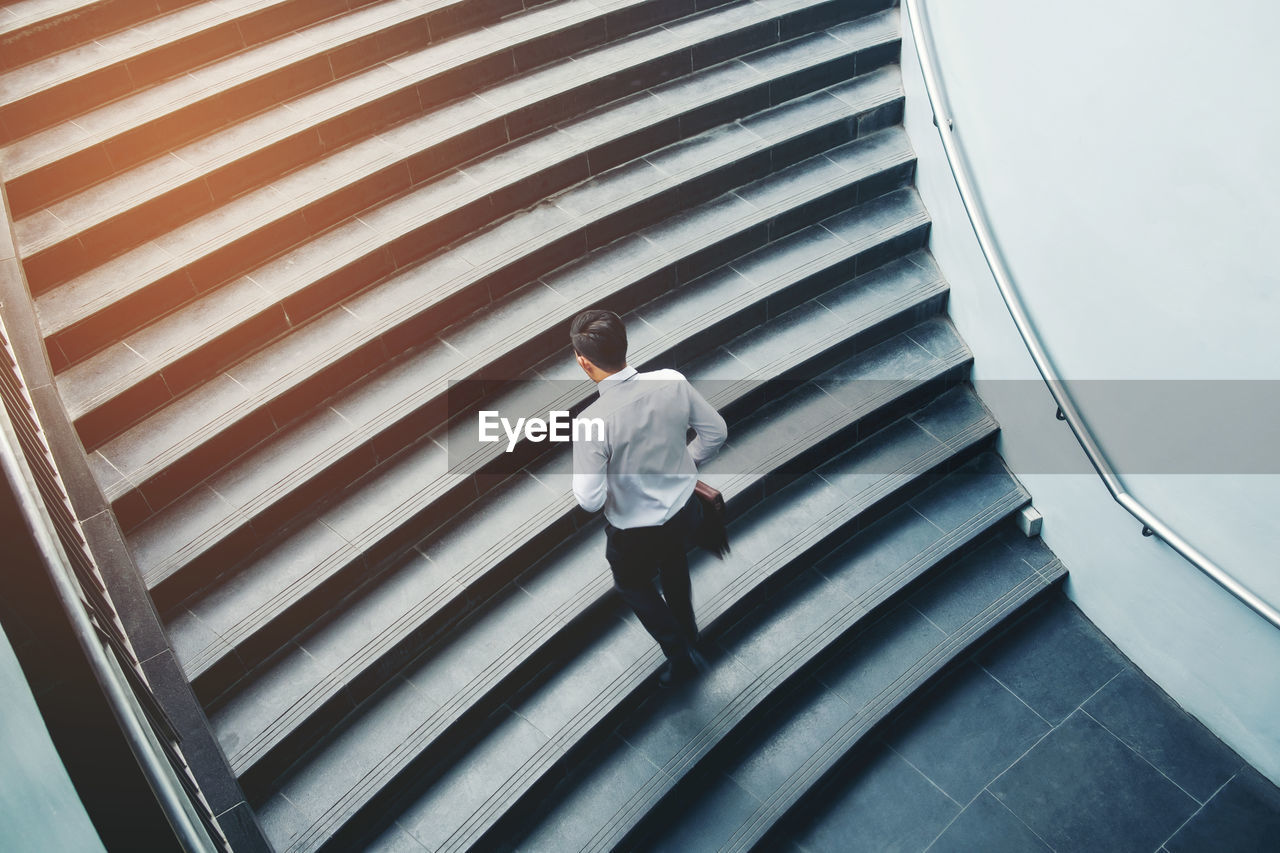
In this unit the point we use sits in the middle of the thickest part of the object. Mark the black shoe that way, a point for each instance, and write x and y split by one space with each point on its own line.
679 670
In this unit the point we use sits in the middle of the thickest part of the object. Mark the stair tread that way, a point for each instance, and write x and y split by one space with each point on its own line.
83 296
417 479
185 425
103 123
523 508
123 45
154 543
668 736
38 13
491 642
869 676
859 304
94 127
148 351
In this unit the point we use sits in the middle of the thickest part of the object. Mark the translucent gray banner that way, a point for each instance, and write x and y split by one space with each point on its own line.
1143 426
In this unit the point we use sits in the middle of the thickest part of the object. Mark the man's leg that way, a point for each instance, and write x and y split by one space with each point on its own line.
678 591
674 569
633 575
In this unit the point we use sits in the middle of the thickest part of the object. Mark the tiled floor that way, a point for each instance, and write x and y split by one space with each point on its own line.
1046 739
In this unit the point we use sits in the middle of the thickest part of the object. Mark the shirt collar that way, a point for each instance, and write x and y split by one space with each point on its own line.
615 378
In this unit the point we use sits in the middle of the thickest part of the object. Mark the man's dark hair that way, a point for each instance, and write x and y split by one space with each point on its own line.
600 337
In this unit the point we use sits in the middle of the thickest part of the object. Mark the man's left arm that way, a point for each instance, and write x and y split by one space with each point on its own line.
707 423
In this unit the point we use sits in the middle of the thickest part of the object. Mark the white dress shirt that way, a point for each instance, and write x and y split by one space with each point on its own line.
642 473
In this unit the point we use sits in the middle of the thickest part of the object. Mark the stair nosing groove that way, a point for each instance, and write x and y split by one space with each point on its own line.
499 112
374 332
917 295
235 79
752 830
343 674
136 51
813 645
162 361
731 592
483 564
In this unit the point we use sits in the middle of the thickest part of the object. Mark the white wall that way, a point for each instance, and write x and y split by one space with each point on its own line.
39 806
1126 157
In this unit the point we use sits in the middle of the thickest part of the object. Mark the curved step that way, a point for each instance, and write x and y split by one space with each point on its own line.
199 340
140 127
866 678
198 539
52 163
537 515
173 450
97 308
416 493
32 31
58 87
465 677
667 736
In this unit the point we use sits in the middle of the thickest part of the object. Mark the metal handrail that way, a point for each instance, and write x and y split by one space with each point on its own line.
1151 524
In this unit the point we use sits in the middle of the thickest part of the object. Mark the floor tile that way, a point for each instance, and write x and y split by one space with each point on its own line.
981 483
1140 714
863 563
1244 817
987 826
884 806
671 719
966 732
1054 659
1081 789
395 840
465 786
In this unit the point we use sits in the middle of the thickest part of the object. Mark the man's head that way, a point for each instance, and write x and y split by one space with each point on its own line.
600 342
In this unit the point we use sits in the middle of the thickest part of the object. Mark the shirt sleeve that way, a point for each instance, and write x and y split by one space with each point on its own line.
707 423
590 466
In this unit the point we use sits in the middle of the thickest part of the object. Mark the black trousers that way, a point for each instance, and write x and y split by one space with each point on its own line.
640 555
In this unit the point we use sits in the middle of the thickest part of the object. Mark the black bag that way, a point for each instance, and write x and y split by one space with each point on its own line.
711 532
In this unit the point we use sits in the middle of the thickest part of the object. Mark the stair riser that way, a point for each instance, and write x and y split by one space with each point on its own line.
805 462
394 542
46 37
82 94
231 550
436 756
517 819
268 767
795 817
135 226
61 178
213 564
259 779
202 461
116 414
742 399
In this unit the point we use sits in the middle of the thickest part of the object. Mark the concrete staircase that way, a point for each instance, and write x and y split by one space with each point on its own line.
266 238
